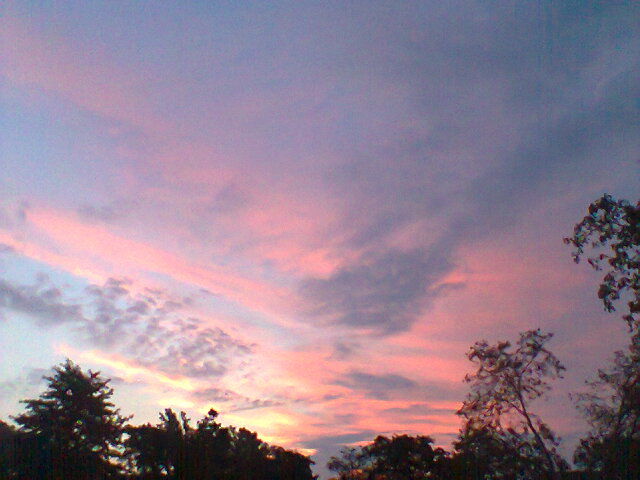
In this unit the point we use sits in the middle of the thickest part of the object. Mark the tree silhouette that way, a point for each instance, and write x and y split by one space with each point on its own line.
503 387
148 452
615 224
8 443
350 464
287 465
208 452
250 455
401 457
72 431
175 450
612 407
481 452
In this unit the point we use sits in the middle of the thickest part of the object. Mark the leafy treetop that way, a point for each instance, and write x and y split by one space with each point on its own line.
75 423
615 224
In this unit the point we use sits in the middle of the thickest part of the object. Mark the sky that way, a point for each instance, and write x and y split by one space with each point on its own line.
302 214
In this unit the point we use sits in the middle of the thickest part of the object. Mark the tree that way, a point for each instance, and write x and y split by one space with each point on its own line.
158 451
73 432
250 455
349 465
147 452
287 465
208 449
175 450
612 407
615 224
73 429
401 457
8 440
484 453
503 387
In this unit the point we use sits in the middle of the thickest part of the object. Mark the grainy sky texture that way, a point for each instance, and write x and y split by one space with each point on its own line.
303 213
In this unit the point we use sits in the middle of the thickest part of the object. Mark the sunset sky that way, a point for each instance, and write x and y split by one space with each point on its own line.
302 214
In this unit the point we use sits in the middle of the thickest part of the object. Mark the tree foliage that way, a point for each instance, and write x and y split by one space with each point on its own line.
8 441
400 457
485 453
612 404
72 430
612 407
350 464
503 387
611 231
176 450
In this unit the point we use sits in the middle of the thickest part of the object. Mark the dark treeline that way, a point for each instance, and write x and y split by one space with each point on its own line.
74 432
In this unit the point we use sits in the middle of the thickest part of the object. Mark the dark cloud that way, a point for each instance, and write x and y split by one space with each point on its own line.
552 157
192 351
256 404
229 199
32 378
42 301
110 213
112 289
341 439
214 394
377 386
331 396
330 444
384 293
418 409
37 375
394 386
344 350
8 387
4 248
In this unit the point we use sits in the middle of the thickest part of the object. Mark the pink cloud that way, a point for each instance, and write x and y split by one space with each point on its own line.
292 231
93 248
86 78
49 64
